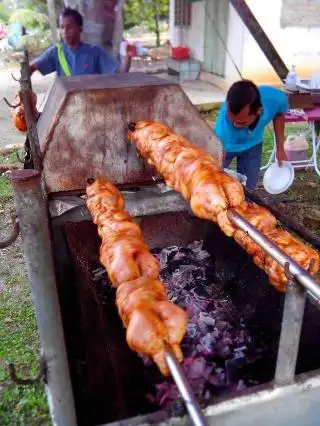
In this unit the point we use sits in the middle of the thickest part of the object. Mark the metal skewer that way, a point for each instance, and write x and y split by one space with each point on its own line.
300 274
180 379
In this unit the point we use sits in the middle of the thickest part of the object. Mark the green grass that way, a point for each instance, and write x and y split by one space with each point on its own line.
5 191
10 158
19 344
19 405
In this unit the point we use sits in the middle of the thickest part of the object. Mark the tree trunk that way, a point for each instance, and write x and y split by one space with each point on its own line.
156 21
118 28
52 19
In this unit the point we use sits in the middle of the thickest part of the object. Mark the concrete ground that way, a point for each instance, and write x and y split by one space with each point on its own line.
199 92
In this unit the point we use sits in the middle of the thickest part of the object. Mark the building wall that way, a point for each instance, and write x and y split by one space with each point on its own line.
235 44
298 46
192 36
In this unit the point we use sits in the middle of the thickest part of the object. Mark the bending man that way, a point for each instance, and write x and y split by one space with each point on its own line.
241 123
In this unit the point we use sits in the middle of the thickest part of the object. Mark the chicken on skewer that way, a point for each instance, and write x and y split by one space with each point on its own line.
151 320
211 192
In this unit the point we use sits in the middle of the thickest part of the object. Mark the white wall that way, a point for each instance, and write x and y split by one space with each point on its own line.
195 34
298 46
235 43
192 36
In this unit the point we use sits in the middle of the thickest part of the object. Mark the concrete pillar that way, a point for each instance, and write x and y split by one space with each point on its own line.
175 33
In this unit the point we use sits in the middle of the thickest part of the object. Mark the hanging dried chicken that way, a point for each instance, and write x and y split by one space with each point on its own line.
18 113
151 320
18 119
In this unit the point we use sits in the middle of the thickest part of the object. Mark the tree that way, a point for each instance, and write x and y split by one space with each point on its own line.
52 19
150 13
29 18
134 13
4 14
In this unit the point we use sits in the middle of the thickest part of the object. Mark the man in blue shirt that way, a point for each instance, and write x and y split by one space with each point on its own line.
241 123
73 57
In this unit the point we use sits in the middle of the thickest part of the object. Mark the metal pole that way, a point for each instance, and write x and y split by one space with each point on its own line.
292 319
32 214
300 274
189 399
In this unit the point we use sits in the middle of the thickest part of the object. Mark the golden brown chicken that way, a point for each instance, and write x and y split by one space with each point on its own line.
211 192
151 320
18 113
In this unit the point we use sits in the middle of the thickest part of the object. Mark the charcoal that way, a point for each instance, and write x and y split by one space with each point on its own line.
217 346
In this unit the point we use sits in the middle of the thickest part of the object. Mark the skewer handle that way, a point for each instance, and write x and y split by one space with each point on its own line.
180 379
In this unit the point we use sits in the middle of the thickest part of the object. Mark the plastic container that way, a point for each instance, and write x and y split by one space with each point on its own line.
241 178
127 48
180 53
292 78
315 81
296 148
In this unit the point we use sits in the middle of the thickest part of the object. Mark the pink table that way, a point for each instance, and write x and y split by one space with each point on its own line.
309 116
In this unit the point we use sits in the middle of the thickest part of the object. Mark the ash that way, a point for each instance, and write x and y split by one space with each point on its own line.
218 351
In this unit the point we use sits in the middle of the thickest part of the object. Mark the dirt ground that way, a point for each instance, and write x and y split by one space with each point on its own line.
8 88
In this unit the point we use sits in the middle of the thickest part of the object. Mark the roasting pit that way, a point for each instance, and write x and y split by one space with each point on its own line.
82 132
110 382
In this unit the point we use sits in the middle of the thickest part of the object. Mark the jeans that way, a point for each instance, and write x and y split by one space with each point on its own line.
248 164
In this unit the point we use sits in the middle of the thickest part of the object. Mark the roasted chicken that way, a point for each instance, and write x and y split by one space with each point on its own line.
211 192
150 319
18 113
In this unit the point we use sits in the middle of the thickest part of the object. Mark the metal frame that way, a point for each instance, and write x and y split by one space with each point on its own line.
310 162
34 226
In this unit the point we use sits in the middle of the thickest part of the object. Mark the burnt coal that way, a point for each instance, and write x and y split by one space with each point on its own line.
220 355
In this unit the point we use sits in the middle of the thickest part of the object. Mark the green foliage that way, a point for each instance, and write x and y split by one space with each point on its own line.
35 42
4 14
36 5
30 18
139 12
133 10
